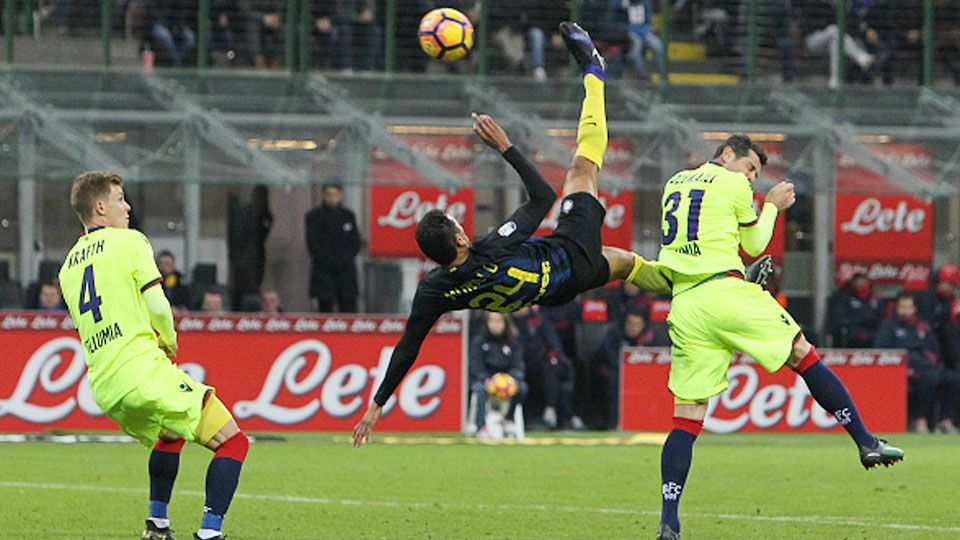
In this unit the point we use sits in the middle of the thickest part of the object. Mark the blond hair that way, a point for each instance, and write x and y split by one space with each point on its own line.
90 187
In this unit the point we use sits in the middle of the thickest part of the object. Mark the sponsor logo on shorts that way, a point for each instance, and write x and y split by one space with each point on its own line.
507 228
567 206
784 319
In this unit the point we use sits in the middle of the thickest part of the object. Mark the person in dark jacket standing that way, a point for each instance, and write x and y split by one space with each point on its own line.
929 384
939 306
247 230
333 242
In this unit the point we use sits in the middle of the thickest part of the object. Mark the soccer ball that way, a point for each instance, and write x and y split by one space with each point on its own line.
446 34
501 386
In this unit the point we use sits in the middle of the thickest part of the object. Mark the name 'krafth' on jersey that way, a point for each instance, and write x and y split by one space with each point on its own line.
102 279
703 210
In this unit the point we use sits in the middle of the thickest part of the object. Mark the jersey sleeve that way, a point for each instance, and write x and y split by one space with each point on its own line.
528 217
422 317
742 194
145 271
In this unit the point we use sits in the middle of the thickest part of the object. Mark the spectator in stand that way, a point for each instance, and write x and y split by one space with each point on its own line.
263 30
634 331
636 18
544 360
340 27
171 31
854 314
563 319
224 26
49 297
270 301
176 292
786 19
333 242
212 301
947 27
626 298
516 33
247 229
822 40
495 350
869 20
930 385
939 306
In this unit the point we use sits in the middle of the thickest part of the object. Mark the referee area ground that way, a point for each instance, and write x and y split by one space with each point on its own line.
553 486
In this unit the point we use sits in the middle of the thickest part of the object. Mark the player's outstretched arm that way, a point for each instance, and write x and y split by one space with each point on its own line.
404 354
161 318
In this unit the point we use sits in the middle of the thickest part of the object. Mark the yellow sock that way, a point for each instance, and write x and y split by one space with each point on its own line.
592 131
647 276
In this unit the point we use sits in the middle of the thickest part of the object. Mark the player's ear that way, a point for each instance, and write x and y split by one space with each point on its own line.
99 207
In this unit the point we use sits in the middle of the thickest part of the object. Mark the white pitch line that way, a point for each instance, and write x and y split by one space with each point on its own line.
817 520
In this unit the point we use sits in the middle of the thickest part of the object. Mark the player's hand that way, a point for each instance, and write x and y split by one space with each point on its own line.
362 431
782 196
170 349
490 132
760 271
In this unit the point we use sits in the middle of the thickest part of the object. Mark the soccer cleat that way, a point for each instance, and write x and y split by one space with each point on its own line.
760 271
666 533
217 537
152 532
881 454
581 47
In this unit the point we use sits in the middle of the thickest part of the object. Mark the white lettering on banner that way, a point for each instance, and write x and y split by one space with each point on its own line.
614 218
407 209
85 399
344 382
885 271
392 326
249 325
14 322
363 325
40 369
283 374
763 405
190 324
422 382
870 217
278 325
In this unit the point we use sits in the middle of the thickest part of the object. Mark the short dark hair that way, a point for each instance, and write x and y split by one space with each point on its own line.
88 188
436 236
166 253
741 145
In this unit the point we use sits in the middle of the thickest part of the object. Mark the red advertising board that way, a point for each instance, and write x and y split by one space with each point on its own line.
453 152
889 237
283 373
759 401
395 211
853 178
617 229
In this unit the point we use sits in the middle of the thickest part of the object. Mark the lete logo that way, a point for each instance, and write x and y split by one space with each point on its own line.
763 407
407 209
40 369
870 217
339 390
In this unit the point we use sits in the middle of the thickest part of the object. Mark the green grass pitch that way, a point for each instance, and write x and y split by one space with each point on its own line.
317 486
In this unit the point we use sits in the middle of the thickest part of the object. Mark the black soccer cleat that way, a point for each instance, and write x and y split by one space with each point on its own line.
581 47
152 532
881 454
666 533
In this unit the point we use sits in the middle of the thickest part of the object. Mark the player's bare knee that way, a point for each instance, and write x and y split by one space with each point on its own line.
620 262
801 347
582 176
690 411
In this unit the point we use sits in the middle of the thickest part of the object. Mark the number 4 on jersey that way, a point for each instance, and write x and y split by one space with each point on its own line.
89 301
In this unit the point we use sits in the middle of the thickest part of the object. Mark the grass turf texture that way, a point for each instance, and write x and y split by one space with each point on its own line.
317 486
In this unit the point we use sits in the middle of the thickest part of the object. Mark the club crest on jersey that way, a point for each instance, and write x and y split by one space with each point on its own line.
507 228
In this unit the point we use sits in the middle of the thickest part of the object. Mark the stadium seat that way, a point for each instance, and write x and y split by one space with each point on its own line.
470 429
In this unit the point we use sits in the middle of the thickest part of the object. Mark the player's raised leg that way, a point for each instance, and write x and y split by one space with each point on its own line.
219 432
827 389
592 130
